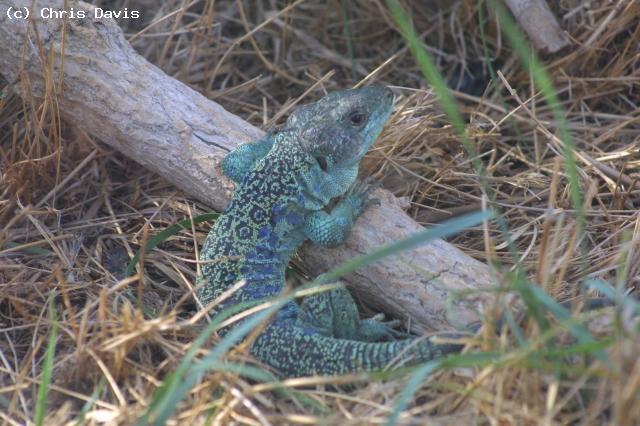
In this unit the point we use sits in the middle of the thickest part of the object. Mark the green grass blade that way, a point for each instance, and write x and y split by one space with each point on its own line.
172 381
4 402
579 331
410 389
259 375
589 348
173 398
534 358
515 328
430 71
177 384
542 80
346 32
613 294
538 301
37 251
163 235
433 76
447 228
418 375
81 418
47 366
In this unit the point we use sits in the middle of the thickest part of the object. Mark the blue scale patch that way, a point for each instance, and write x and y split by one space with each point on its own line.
293 219
279 211
260 272
264 289
288 314
267 236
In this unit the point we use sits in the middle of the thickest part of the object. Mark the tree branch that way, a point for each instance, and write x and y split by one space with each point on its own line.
539 24
117 96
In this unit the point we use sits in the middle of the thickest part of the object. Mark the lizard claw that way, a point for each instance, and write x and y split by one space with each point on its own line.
361 191
375 329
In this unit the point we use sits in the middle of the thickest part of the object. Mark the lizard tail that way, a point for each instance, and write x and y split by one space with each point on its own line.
295 352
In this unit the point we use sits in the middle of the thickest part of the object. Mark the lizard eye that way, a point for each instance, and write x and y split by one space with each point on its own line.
356 118
322 162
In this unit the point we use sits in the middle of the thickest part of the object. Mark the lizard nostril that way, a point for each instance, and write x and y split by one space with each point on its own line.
388 95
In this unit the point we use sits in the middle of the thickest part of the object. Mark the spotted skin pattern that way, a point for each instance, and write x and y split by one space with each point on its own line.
284 183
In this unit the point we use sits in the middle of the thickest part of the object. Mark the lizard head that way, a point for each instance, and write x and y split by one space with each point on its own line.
339 129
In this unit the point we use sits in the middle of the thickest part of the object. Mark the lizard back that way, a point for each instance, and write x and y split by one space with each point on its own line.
259 231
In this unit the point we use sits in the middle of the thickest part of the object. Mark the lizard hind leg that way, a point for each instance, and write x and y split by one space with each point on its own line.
334 313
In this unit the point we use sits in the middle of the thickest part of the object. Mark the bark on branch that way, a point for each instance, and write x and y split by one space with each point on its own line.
117 96
540 24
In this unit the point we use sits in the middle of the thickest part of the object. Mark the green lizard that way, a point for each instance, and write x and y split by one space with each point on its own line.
284 183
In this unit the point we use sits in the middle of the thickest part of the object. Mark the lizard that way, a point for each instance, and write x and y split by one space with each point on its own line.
285 183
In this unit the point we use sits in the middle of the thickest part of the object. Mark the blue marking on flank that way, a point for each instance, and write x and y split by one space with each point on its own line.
293 219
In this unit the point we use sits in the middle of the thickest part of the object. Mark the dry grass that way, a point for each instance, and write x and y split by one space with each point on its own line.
73 212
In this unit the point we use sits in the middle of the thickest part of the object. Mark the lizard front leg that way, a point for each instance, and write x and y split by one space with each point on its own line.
331 229
239 162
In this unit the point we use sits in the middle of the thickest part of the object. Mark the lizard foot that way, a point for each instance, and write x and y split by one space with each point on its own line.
359 195
334 313
375 329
